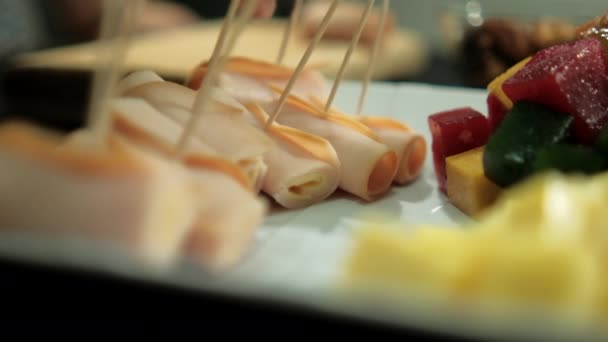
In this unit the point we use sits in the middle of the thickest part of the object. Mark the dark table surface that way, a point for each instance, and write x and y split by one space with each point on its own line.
38 300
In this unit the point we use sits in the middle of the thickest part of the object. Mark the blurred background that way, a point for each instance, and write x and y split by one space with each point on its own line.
452 42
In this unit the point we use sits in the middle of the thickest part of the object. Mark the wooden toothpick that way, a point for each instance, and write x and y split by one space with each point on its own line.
291 26
218 50
112 11
224 45
351 48
239 25
374 56
313 44
117 23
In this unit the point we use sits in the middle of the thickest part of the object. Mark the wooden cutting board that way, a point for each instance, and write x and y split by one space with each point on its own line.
174 53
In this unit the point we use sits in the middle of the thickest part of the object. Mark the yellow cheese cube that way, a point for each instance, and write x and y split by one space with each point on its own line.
467 186
518 270
498 272
428 261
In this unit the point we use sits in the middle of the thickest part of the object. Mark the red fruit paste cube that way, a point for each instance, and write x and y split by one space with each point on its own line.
570 78
496 112
454 132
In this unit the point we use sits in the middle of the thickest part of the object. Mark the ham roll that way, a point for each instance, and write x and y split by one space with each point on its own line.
248 80
368 165
141 124
411 147
304 169
223 234
220 237
223 128
136 79
118 196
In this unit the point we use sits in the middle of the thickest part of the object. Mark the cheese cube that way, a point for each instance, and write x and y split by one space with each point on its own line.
467 186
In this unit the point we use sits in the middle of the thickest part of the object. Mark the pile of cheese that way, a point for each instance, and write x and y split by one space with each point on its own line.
543 246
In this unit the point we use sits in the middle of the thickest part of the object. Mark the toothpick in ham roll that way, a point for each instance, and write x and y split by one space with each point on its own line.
304 169
368 165
225 129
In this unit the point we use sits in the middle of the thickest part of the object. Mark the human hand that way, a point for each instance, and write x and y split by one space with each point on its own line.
265 8
81 18
163 14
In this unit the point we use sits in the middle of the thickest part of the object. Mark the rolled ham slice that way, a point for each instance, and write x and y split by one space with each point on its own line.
248 80
368 165
411 147
223 236
228 221
304 169
120 196
136 79
141 124
223 128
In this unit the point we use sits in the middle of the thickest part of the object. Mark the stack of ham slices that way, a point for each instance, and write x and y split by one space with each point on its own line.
204 204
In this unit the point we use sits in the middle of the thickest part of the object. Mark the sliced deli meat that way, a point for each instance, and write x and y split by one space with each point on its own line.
410 146
117 196
303 169
368 165
220 237
222 127
251 81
